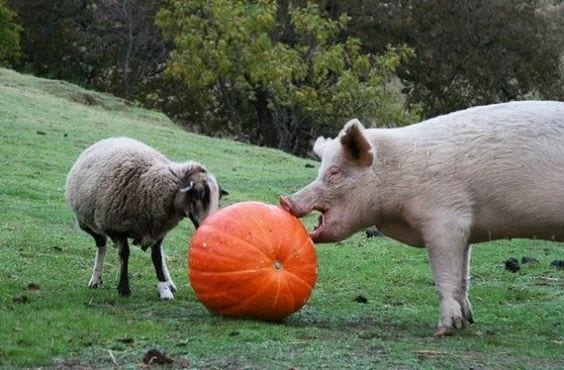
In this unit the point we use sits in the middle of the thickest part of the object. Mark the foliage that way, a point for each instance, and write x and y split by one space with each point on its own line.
279 73
135 51
232 56
55 39
49 318
111 45
467 52
10 50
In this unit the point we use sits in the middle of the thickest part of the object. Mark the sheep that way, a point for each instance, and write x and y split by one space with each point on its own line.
121 188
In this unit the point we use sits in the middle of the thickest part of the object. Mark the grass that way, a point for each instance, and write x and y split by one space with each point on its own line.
49 318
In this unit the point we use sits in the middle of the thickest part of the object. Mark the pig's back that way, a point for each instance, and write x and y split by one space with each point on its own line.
505 121
505 162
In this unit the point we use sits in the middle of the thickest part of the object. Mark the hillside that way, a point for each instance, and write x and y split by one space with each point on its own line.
374 305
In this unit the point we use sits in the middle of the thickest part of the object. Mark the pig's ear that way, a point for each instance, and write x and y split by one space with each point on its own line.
356 146
319 146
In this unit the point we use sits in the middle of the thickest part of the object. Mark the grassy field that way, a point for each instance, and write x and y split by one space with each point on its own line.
50 318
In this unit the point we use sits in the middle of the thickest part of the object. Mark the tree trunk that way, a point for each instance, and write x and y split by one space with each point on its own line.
268 135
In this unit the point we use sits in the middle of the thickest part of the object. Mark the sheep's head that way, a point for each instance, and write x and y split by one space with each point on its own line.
199 194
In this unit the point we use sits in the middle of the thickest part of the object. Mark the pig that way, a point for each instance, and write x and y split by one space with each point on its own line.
484 173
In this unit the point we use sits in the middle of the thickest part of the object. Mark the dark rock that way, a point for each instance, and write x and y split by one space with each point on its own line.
559 264
21 299
372 232
33 286
512 264
361 299
126 340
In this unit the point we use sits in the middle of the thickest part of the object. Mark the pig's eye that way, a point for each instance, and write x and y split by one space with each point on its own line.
334 174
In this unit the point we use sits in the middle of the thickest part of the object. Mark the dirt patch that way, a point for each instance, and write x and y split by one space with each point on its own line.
83 98
156 357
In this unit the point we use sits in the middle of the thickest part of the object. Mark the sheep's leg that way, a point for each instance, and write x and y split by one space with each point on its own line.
166 273
123 251
165 285
96 278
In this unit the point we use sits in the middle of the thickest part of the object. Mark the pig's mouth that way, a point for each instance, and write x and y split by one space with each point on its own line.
317 234
318 229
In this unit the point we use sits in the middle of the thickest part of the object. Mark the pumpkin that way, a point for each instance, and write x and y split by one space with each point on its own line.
252 260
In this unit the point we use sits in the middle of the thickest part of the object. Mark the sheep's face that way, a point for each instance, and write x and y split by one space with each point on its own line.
201 195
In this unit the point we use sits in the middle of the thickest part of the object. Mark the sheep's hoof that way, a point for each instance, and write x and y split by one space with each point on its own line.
165 297
124 291
165 291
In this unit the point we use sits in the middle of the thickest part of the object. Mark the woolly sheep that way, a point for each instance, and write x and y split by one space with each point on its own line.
121 188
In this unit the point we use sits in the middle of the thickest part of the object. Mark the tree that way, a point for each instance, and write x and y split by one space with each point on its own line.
56 39
134 49
111 45
468 52
10 50
484 52
253 65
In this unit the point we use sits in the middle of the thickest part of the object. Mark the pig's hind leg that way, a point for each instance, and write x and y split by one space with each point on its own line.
449 254
465 302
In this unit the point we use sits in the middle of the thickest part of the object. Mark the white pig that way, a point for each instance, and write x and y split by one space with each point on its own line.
480 174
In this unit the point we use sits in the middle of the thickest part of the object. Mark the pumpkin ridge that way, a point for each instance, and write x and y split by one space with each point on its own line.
208 291
273 305
299 278
211 259
305 245
294 255
250 298
265 232
246 242
231 272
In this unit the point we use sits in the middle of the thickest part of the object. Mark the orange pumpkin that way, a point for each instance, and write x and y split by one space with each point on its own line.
252 260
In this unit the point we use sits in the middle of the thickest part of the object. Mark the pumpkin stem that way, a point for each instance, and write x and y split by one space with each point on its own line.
278 265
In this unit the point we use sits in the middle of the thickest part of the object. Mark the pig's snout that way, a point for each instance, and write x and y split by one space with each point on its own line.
290 206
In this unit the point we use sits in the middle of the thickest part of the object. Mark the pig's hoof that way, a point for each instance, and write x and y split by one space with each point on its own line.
95 282
442 331
466 307
469 317
458 323
453 315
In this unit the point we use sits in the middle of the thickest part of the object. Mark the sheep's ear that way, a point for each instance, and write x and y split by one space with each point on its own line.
356 147
319 146
188 187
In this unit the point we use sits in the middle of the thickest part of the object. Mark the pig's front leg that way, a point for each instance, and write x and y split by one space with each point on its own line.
449 255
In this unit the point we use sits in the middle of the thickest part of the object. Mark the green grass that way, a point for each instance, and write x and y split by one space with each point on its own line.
49 318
